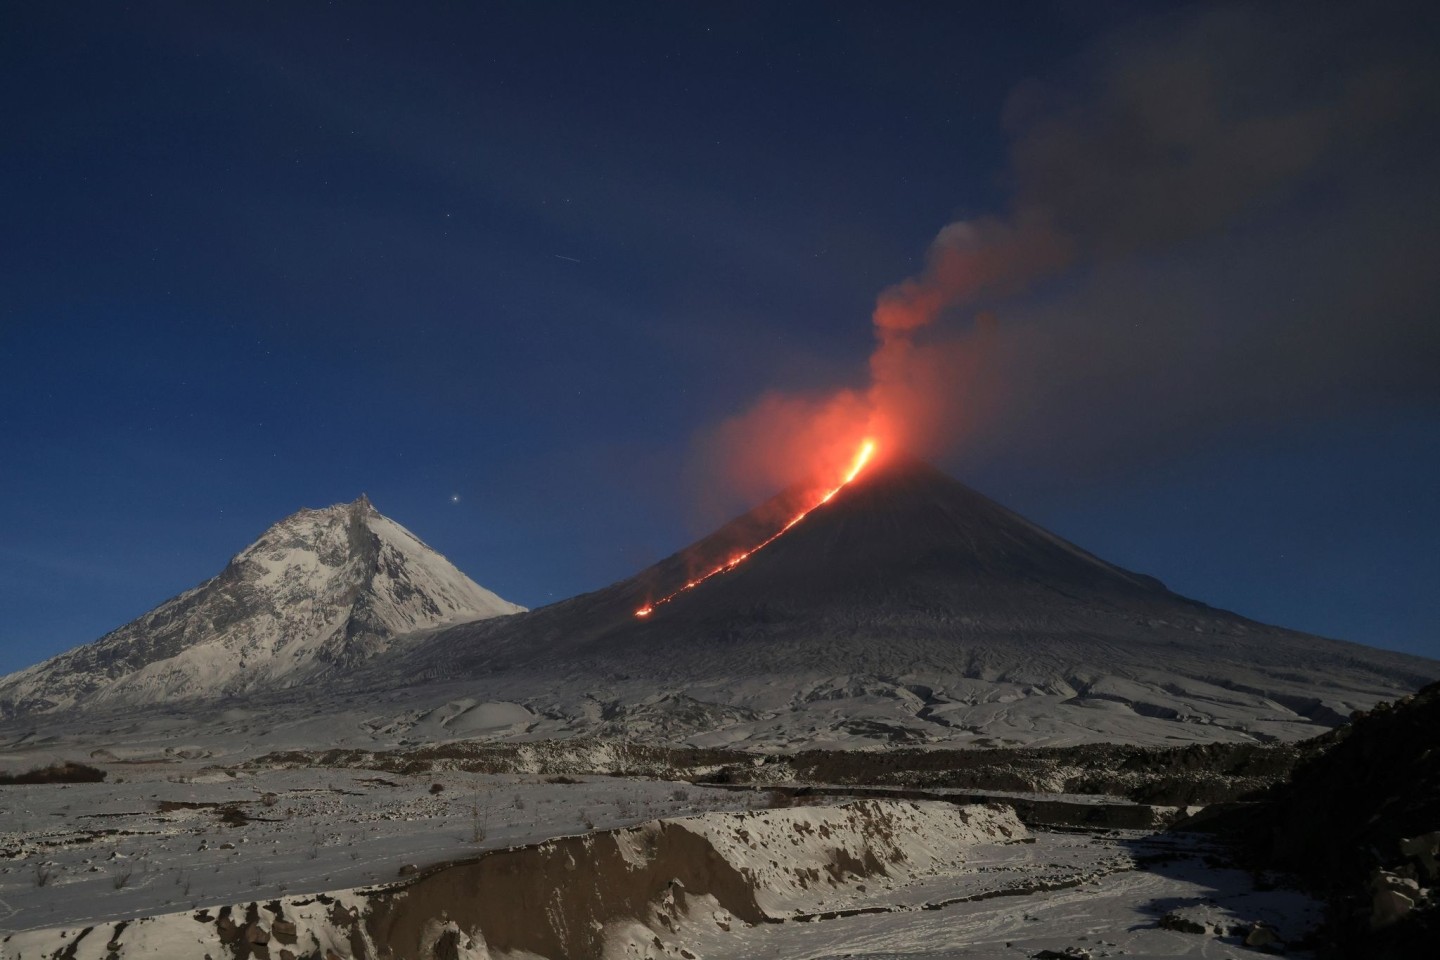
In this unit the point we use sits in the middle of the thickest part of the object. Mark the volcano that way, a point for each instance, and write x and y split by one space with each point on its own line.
318 593
910 607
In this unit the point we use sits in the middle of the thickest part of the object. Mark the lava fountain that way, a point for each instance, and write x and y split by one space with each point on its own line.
862 457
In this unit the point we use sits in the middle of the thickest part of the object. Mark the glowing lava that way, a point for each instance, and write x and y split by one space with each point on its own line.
862 457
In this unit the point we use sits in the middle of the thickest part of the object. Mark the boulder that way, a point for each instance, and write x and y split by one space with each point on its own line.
1261 935
1182 924
1390 880
284 931
1425 849
1387 907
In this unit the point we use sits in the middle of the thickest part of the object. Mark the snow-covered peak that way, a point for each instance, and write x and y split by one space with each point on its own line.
320 591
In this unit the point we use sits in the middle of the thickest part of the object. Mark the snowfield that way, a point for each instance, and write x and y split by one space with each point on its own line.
570 870
169 836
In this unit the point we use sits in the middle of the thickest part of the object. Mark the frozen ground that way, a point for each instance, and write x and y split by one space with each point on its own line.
875 880
157 839
175 839
1106 901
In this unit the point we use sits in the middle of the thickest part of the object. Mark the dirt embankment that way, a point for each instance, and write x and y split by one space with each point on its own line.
559 899
639 890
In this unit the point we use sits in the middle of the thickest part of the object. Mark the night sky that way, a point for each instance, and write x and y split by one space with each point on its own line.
509 269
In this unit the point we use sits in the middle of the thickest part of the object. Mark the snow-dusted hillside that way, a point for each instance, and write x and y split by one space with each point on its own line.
909 609
320 591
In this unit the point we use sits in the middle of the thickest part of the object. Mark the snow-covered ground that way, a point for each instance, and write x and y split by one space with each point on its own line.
157 839
1100 904
875 879
909 611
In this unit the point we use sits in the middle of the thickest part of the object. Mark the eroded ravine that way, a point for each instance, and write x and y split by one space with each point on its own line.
637 891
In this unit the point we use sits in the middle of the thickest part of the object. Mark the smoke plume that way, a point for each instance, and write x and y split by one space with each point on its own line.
1220 217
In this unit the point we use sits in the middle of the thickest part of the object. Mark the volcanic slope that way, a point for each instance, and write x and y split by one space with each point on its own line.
911 609
319 593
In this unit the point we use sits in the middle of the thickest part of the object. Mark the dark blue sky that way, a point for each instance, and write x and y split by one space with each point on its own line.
259 257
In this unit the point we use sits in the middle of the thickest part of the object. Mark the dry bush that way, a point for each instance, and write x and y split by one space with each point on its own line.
479 818
66 772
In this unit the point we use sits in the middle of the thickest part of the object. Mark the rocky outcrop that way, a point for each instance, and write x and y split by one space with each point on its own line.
1359 820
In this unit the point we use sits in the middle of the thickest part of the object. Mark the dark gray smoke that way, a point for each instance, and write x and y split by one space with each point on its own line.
1227 215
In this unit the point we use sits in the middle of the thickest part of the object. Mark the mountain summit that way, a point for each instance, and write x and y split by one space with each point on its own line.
911 607
319 593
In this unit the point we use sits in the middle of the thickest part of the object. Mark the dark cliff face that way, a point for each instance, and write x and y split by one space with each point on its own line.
1360 817
1373 782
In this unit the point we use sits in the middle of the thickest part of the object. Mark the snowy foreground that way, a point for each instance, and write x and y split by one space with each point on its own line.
181 860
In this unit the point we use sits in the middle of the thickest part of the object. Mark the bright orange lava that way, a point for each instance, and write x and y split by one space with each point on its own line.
862 457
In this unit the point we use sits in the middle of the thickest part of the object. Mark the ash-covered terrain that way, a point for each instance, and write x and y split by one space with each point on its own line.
913 725
193 862
486 851
908 610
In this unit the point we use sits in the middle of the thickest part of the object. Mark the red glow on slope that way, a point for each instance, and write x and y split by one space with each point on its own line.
862 457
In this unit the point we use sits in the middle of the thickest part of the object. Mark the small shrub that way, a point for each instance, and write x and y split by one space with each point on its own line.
66 772
231 815
436 787
679 793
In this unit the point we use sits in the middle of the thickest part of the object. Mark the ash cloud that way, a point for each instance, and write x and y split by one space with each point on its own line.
1219 218
1227 217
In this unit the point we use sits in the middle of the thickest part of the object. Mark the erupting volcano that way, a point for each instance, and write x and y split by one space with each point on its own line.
862 457
906 607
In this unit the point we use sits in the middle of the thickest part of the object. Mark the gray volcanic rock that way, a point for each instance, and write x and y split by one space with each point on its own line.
911 608
319 593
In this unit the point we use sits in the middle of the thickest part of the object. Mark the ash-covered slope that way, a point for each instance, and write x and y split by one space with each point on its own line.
910 607
319 593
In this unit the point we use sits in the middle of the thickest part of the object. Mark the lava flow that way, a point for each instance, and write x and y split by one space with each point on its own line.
862 457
